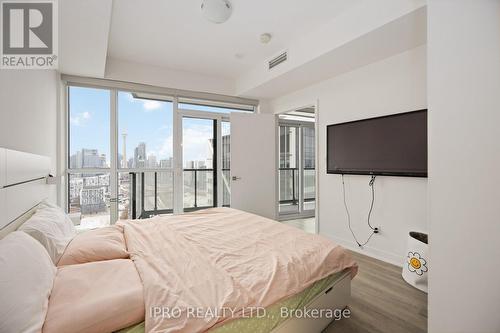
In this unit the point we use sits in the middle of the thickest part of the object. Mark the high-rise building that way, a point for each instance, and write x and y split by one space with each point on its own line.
76 160
88 158
166 164
91 158
152 161
140 155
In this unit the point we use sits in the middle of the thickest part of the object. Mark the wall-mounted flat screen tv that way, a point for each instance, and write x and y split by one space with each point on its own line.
394 145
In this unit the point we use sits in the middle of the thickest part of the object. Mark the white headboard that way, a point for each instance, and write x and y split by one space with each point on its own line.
22 185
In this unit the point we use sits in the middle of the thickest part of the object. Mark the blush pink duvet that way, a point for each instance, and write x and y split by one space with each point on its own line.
223 258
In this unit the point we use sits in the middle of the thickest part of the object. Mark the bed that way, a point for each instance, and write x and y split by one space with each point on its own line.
218 258
329 293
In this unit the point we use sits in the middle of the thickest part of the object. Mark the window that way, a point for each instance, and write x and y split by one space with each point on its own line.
89 195
309 168
145 142
288 170
89 121
135 154
297 174
199 155
89 148
144 133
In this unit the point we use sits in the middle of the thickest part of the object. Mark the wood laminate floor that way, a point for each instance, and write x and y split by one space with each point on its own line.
307 224
382 302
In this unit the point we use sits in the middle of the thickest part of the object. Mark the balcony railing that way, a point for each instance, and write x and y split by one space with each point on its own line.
288 178
150 193
198 189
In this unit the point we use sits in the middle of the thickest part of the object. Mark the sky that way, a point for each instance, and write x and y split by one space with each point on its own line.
146 121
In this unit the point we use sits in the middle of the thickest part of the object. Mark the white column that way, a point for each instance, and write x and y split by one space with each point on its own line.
177 152
464 165
113 176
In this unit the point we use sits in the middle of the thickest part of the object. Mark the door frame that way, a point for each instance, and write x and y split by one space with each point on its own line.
315 105
209 115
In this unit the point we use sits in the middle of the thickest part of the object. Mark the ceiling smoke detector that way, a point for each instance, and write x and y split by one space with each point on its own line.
265 38
216 11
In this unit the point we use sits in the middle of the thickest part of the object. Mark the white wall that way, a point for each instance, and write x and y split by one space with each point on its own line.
464 165
394 85
28 113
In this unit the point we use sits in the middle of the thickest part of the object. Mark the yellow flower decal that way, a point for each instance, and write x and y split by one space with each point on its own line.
416 263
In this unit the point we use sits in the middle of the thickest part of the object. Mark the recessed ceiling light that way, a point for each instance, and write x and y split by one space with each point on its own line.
265 38
216 11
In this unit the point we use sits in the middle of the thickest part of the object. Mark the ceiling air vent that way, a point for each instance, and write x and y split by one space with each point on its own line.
282 57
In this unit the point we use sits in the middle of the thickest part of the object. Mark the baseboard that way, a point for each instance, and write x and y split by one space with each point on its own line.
368 251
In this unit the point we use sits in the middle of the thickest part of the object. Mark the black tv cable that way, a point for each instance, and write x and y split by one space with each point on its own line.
374 230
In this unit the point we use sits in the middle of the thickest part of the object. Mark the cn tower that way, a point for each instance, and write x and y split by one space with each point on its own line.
124 152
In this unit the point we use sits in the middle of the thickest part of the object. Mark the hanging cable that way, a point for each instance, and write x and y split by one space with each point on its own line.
374 230
371 183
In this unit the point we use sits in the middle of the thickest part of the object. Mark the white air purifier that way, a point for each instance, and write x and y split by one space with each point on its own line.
416 266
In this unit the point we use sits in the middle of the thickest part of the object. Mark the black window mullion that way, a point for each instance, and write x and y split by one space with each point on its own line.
156 192
195 188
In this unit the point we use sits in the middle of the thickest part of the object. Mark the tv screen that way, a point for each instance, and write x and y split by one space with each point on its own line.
394 145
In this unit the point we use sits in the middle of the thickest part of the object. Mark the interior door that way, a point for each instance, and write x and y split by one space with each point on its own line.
253 163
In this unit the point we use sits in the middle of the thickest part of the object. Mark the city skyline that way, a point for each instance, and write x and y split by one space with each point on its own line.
91 158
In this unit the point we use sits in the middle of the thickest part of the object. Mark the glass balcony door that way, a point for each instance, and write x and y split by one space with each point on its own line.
199 156
308 171
297 184
288 169
206 161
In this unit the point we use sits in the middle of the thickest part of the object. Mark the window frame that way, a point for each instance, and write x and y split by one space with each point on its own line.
166 94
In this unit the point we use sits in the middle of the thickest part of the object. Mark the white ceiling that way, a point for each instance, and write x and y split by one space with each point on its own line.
167 43
173 34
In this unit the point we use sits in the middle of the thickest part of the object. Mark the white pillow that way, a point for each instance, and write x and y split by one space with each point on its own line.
52 228
66 224
26 279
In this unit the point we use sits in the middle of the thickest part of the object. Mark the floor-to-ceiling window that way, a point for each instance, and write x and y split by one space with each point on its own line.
289 169
145 156
297 169
309 168
89 155
199 151
124 149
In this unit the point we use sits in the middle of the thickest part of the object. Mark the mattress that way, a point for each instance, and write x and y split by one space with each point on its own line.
273 316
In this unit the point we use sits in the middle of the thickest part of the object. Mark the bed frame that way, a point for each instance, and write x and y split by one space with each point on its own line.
336 296
23 186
